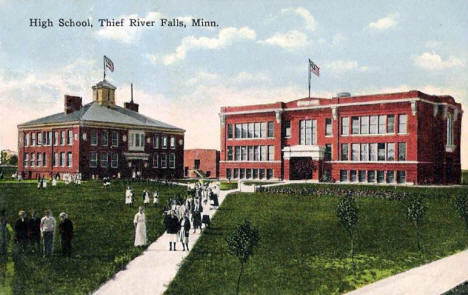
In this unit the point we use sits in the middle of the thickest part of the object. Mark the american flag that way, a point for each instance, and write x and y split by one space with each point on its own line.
314 68
108 63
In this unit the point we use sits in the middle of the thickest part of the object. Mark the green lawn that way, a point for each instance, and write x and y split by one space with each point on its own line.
303 249
102 243
226 185
465 177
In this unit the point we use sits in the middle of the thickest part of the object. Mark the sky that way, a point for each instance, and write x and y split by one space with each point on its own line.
257 53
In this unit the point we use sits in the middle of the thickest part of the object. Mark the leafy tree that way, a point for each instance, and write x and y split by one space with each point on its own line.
241 244
14 160
461 205
415 210
347 213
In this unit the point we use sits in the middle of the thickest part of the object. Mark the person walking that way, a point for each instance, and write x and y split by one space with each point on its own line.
196 216
146 197
47 226
128 197
155 198
185 232
66 233
34 232
172 228
139 221
21 231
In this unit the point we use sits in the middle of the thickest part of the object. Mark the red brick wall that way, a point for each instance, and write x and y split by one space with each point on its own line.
209 162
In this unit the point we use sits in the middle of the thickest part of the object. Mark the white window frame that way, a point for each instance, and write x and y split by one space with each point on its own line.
156 160
96 142
62 159
400 125
104 159
114 162
172 161
164 161
115 143
172 143
70 159
136 136
93 159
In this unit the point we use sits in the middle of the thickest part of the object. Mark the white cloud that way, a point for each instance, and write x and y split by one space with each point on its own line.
433 61
289 40
225 37
341 66
126 33
336 40
247 77
310 22
202 77
385 22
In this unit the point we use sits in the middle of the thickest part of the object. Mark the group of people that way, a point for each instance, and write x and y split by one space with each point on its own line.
129 196
28 232
42 182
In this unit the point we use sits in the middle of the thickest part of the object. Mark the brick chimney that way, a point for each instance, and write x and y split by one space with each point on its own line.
72 103
131 105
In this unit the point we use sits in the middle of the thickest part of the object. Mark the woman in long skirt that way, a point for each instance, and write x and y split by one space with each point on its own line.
146 198
185 232
140 227
155 198
128 197
197 209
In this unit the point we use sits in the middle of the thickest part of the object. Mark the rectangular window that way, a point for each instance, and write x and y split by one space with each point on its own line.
33 139
49 138
343 175
229 153
353 176
371 176
39 160
164 161
236 173
250 153
287 128
271 153
391 123
364 152
328 152
390 176
254 173
382 124
401 176
104 138
365 125
243 153
70 159
228 173
238 153
248 173
251 130
56 138
92 159
229 131
261 173
257 130
26 139
328 127
380 176
94 137
269 173
270 129
344 152
164 142
46 141
70 137
172 160
263 153
354 125
62 137
373 151
362 175
56 159
263 130
308 132
172 142
155 160
355 152
25 160
115 160
256 153
241 173
115 138
449 140
245 127
33 160
238 130
402 122
402 151
104 160
345 126
156 141
390 151
62 160
374 125
381 152
39 138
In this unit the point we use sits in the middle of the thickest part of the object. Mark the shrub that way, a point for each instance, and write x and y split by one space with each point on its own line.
415 210
347 213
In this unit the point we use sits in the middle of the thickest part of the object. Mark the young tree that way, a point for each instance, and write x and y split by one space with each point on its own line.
241 244
347 213
415 209
461 205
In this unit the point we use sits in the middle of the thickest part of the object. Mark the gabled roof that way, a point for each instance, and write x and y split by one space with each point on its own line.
94 112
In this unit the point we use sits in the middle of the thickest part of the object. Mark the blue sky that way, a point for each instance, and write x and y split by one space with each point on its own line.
257 54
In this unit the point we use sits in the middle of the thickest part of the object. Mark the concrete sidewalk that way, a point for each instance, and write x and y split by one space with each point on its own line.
152 271
433 278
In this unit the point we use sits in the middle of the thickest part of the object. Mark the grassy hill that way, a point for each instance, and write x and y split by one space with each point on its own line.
303 249
102 243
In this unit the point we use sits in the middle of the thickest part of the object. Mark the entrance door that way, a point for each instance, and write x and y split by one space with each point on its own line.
197 164
300 168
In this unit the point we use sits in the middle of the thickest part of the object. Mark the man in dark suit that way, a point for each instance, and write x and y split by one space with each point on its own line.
34 232
66 232
21 231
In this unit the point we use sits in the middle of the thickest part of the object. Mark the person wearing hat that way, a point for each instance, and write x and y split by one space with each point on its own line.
66 232
47 226
21 230
172 229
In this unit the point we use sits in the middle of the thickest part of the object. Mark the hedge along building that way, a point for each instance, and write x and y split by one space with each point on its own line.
408 138
100 139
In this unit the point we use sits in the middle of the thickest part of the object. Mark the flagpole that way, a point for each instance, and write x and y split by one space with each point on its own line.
104 64
309 78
